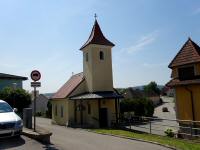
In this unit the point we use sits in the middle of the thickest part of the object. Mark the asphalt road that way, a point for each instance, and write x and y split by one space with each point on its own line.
79 139
23 143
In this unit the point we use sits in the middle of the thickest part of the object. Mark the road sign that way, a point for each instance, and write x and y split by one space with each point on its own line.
35 75
35 84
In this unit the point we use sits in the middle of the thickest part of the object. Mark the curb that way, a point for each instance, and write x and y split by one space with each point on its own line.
140 140
39 136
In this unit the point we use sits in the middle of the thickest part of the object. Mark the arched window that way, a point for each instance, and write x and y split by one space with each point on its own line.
86 56
101 55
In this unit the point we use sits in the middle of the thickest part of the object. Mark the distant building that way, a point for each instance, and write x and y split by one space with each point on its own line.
88 98
8 80
41 103
186 81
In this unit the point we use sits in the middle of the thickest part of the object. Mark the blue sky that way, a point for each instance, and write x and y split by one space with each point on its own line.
47 34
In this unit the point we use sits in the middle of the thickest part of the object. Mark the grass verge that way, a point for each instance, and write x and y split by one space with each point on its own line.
172 142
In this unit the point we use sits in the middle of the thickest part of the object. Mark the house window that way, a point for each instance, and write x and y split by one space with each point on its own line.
89 108
56 110
186 73
86 57
61 111
101 55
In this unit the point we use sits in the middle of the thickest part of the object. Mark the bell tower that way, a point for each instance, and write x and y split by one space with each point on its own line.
97 61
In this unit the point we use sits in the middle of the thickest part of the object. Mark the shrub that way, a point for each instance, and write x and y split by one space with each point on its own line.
18 98
169 132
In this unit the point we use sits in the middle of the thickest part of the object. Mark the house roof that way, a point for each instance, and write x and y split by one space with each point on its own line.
9 76
97 95
69 86
177 82
189 53
97 37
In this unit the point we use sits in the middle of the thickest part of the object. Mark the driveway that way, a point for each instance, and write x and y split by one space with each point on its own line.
79 139
22 143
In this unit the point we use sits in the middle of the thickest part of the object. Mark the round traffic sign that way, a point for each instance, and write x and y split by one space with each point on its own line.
35 75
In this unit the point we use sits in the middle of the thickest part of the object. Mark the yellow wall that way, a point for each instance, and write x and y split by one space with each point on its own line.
93 118
174 73
98 72
197 69
57 118
183 102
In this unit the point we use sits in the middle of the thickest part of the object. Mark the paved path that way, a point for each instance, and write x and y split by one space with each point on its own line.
78 139
22 143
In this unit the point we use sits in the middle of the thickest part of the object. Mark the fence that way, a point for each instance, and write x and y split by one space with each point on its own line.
181 128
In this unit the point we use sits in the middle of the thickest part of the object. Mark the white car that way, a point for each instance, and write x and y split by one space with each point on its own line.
10 123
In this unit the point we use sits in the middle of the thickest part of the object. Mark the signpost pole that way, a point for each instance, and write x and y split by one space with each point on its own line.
35 76
34 108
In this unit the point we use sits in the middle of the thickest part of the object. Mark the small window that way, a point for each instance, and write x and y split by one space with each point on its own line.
186 73
86 57
89 109
56 110
101 55
61 111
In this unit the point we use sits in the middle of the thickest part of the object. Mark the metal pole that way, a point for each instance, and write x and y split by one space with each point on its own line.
191 128
34 108
150 126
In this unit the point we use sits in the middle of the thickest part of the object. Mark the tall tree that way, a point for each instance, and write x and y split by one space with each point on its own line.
151 88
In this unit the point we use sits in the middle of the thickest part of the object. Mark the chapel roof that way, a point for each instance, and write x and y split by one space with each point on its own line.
69 86
97 37
188 54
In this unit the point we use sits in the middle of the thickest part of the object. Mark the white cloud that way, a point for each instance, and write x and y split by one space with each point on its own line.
142 42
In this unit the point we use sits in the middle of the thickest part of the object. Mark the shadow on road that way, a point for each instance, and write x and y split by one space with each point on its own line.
50 147
11 142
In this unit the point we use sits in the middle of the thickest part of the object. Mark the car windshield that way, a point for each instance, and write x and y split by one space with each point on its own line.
4 107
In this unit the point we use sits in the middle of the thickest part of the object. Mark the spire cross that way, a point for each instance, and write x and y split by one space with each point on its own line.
95 16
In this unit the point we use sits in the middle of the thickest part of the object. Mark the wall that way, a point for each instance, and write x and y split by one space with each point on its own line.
9 83
98 72
196 70
57 118
183 102
92 119
41 104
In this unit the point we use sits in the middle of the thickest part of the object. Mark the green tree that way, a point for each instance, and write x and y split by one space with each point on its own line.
152 88
18 98
140 106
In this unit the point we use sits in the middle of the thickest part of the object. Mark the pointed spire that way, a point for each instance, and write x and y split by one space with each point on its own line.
96 36
188 54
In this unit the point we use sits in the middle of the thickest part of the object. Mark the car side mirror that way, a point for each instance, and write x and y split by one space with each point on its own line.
15 110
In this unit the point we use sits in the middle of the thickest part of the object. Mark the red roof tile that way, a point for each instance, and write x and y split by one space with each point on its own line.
97 37
189 53
177 82
69 86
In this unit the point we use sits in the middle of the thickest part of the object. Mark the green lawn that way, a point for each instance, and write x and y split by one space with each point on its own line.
176 143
